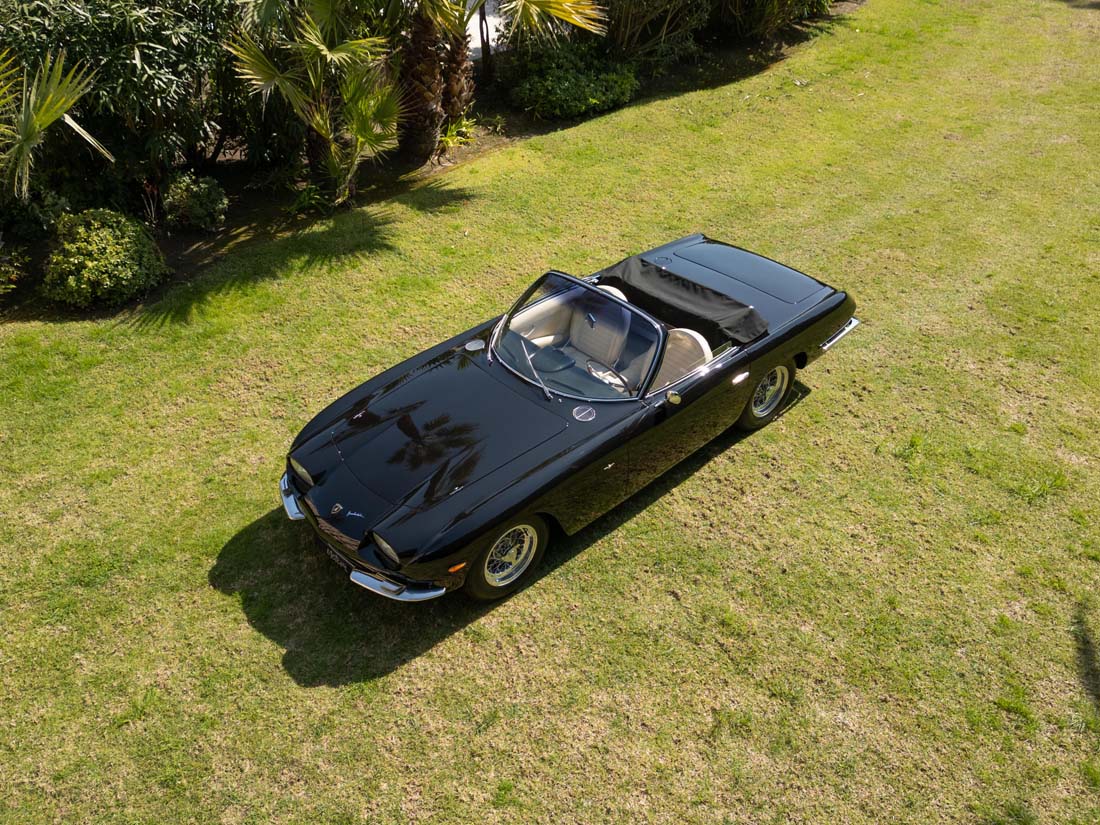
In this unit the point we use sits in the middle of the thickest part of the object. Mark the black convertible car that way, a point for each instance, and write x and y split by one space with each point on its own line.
454 468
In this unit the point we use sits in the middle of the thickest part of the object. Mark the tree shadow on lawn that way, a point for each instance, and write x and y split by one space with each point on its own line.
335 634
273 239
723 64
1088 659
364 230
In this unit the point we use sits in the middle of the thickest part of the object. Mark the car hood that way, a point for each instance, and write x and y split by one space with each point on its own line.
436 430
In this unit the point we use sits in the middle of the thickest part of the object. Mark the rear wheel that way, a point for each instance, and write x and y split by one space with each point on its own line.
768 396
510 560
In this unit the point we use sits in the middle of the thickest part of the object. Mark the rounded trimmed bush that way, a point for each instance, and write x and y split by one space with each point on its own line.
101 257
569 81
195 203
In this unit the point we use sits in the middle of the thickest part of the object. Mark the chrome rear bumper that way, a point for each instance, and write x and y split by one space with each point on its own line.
853 322
290 500
397 592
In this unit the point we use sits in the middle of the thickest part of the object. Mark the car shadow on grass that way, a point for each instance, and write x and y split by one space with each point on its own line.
333 633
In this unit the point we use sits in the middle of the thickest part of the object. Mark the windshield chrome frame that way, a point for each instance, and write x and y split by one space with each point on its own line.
640 394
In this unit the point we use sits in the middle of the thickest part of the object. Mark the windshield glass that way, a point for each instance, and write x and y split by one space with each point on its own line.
576 340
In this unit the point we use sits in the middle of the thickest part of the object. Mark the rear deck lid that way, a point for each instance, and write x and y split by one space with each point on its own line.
768 276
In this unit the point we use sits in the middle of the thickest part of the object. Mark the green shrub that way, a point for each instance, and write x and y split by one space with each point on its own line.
656 33
101 257
161 78
14 266
758 19
570 80
195 203
34 219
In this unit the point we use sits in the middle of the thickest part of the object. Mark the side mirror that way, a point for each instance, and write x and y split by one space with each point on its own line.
672 397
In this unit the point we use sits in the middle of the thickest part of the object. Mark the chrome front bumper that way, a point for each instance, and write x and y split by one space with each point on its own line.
375 584
397 592
853 322
290 500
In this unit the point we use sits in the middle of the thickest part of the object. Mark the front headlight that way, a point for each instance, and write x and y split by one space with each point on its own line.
387 551
301 472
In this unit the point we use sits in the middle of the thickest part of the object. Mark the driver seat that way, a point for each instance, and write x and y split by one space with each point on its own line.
597 330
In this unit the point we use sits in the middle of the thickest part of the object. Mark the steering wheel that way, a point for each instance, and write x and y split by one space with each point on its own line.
591 362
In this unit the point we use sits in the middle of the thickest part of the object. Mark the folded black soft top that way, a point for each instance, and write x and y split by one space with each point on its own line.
681 302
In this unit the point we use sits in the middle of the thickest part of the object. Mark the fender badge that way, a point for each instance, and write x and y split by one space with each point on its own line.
336 508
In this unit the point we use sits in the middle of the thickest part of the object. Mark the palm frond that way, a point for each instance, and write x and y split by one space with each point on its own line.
46 99
328 15
9 74
80 130
263 15
372 108
312 43
256 68
446 14
533 16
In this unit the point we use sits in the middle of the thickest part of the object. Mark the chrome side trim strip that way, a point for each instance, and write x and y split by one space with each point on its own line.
290 500
853 322
397 592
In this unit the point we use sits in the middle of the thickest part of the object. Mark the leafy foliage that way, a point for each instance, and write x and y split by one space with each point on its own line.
14 266
763 18
430 39
537 16
196 203
101 257
34 219
335 82
160 70
569 80
25 116
656 32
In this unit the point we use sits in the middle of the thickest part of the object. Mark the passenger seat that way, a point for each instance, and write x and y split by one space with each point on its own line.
685 349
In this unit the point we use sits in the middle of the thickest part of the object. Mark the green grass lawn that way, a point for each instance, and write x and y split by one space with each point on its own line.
882 608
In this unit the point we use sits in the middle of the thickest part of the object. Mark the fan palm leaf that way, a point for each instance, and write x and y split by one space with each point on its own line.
533 16
314 45
260 71
46 99
336 84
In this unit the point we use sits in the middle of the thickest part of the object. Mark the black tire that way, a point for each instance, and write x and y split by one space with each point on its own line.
767 399
489 580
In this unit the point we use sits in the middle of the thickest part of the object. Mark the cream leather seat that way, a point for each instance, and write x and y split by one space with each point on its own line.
618 293
598 331
685 349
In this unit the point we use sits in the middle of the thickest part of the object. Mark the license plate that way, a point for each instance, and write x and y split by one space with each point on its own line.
336 557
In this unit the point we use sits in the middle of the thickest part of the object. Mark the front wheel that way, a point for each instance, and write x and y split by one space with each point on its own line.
768 397
510 560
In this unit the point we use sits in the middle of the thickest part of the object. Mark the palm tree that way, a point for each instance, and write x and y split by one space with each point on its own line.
436 68
26 113
338 84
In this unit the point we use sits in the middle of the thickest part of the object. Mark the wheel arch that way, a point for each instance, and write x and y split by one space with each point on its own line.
552 522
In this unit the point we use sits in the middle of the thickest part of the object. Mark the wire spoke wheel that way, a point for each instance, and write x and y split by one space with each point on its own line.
770 391
511 555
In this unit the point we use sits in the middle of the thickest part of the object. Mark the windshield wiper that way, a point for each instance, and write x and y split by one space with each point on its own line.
534 372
